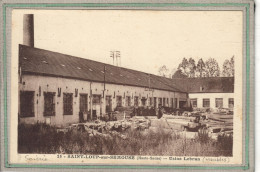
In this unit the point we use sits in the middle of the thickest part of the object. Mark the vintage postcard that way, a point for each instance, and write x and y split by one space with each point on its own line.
128 85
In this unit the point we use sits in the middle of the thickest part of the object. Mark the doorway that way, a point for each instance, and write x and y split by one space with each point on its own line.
108 104
83 106
154 102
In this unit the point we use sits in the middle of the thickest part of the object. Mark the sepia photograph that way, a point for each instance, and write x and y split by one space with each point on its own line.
112 86
120 95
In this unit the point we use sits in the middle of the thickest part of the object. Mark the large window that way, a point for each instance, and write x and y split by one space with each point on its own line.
49 104
143 101
128 101
193 102
67 104
219 103
175 102
151 101
27 103
172 102
164 101
230 102
119 101
206 103
83 103
136 101
160 101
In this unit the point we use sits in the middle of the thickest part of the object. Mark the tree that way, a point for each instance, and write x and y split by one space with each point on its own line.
173 72
212 68
179 74
200 69
163 71
232 62
191 68
183 66
228 68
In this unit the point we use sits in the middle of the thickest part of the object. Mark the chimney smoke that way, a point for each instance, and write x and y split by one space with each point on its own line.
28 30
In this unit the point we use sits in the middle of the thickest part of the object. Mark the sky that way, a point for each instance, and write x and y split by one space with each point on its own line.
146 39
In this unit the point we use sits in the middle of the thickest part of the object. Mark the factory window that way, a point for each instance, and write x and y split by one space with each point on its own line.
167 101
206 103
119 101
175 102
67 104
164 101
83 103
151 101
230 102
128 101
136 101
160 101
27 103
96 99
193 102
49 104
219 102
143 101
172 105
108 104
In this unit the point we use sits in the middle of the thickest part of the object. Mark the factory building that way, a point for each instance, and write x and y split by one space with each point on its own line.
54 88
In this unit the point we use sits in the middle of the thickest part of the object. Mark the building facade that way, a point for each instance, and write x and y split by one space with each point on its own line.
212 100
57 89
215 92
54 88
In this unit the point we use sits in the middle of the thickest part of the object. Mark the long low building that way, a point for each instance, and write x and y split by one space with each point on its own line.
56 88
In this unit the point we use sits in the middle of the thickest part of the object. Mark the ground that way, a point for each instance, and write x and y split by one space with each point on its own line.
133 136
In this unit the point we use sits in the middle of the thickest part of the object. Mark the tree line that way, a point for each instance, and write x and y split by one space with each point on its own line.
209 68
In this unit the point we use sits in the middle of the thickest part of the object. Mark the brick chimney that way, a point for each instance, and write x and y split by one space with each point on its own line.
28 30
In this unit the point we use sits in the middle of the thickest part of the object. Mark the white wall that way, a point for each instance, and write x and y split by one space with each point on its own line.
212 97
51 84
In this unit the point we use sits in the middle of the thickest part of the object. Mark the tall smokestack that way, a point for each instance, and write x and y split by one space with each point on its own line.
28 30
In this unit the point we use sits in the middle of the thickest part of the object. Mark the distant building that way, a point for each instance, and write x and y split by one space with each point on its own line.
211 92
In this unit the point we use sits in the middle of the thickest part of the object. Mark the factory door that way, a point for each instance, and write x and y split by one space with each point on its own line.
108 104
136 103
154 102
83 106
160 101
164 102
182 104
83 103
175 103
143 101
96 106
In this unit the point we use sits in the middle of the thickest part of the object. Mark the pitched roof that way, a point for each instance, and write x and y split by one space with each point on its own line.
205 85
43 62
